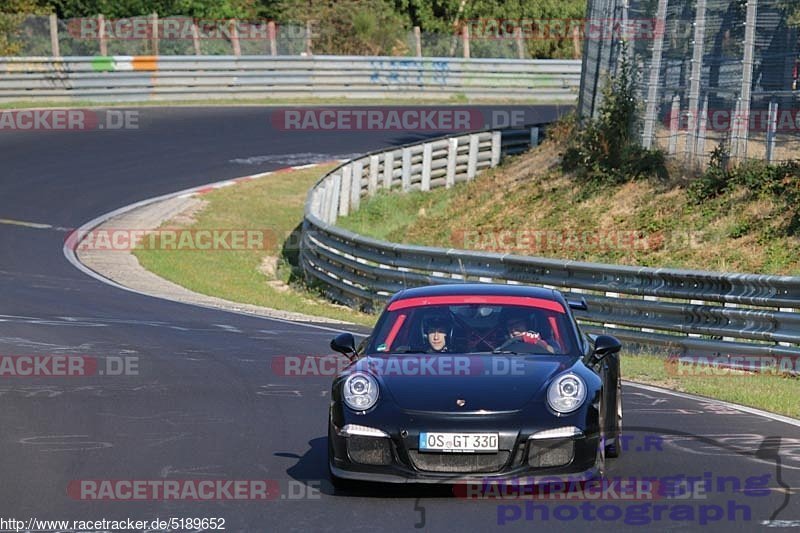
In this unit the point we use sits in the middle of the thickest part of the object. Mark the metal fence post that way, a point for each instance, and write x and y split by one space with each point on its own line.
674 124
465 40
154 33
427 153
655 72
747 75
101 31
772 127
271 33
694 82
702 124
520 42
237 49
417 41
54 48
196 38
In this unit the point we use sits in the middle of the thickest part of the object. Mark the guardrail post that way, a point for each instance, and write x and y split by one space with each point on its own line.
388 170
534 137
406 172
496 137
472 161
101 33
452 152
237 49
372 184
55 50
324 202
154 33
273 44
417 41
336 186
346 194
358 174
427 153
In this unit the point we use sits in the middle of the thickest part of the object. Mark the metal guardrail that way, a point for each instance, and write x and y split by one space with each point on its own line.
692 312
138 78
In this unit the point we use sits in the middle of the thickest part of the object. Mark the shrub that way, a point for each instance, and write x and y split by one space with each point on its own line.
606 149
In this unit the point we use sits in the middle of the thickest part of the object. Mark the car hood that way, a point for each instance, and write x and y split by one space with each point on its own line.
484 382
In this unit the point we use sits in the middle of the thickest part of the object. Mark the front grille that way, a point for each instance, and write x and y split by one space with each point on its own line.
459 462
369 450
546 453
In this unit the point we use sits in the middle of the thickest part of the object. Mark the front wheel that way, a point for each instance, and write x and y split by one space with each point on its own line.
614 448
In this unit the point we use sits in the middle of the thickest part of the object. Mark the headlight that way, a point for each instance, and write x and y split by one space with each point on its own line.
566 393
360 391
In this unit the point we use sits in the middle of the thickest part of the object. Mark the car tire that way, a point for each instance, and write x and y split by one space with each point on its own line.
614 448
600 459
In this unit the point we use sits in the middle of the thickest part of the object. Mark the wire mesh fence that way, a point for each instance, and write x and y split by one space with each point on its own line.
176 35
713 73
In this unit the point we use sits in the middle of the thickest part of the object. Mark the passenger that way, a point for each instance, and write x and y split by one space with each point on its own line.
437 331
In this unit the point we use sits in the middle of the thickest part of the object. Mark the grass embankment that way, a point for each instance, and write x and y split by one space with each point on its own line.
529 206
261 277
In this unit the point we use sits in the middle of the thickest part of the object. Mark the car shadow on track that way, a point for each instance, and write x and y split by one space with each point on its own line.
313 467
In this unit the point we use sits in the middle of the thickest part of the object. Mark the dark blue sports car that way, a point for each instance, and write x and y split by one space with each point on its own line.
474 382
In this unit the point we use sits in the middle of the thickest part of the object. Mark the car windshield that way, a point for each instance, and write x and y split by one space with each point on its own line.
535 326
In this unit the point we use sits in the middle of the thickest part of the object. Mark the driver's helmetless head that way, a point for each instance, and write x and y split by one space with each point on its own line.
517 327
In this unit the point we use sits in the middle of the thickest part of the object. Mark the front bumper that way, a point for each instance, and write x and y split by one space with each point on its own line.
396 459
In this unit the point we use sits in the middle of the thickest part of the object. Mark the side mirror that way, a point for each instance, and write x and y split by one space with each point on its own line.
345 344
605 345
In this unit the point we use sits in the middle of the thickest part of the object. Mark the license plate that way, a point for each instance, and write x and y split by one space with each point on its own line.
458 442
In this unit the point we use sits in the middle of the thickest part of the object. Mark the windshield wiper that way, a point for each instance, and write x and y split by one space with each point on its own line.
507 352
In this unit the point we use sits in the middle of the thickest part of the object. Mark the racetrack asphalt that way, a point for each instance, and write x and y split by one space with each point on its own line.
205 402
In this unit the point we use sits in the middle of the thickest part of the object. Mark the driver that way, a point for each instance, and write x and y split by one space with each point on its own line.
517 328
437 332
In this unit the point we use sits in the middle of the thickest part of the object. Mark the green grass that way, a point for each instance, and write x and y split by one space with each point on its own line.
774 393
273 203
